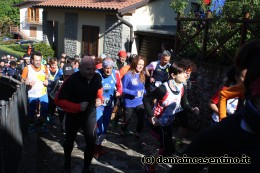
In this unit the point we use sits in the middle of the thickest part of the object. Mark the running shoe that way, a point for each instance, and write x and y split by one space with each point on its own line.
44 128
31 128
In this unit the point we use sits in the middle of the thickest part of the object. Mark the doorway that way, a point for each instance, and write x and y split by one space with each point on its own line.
90 37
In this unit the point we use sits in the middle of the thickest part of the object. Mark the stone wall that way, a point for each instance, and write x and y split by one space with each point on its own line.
113 36
205 82
126 35
70 34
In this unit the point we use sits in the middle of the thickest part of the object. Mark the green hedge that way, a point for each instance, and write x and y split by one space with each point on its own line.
19 47
45 49
6 50
219 30
19 50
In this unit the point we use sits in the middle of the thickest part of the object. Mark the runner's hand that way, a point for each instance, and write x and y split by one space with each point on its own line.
155 121
45 83
195 110
98 102
31 84
117 94
83 106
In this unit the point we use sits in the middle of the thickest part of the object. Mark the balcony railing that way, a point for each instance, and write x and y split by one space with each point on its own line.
33 20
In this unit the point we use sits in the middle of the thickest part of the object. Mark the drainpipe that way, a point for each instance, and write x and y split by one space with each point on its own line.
131 29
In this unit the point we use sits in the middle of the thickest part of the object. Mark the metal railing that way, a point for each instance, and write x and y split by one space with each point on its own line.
33 20
14 28
13 110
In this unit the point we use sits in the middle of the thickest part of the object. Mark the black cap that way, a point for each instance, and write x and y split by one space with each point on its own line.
68 69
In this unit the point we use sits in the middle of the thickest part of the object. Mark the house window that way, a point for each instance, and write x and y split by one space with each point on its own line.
33 31
90 38
33 15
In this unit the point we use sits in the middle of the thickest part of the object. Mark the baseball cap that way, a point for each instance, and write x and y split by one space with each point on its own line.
68 69
122 53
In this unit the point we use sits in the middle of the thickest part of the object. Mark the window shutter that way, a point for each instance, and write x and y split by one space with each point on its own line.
29 14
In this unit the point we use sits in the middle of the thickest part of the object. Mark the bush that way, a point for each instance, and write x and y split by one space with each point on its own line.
230 12
45 49
220 29
19 48
8 42
4 49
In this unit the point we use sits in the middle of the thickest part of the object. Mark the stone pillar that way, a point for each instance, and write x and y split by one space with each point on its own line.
46 29
70 34
113 36
55 41
126 35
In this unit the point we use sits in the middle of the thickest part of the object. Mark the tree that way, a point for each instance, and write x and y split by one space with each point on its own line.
9 15
179 6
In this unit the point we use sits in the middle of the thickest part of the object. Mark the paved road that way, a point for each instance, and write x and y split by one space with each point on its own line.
122 155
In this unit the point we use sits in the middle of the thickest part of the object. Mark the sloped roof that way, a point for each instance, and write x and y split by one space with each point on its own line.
122 6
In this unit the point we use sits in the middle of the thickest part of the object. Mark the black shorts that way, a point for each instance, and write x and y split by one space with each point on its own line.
181 118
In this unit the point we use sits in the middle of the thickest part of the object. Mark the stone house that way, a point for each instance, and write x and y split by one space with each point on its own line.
30 19
106 26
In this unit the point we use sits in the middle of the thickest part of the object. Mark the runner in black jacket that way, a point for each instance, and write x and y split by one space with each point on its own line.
78 98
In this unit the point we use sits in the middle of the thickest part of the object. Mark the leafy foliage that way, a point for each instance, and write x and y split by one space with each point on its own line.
7 42
220 29
9 15
19 47
179 5
20 50
45 49
7 50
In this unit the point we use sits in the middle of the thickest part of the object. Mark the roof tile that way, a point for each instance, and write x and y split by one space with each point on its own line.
92 4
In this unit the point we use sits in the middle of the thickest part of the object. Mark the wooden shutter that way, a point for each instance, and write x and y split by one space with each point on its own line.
90 38
37 17
29 14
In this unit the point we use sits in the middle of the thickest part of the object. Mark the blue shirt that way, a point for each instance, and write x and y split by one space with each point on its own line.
217 6
9 71
53 78
109 86
76 70
131 86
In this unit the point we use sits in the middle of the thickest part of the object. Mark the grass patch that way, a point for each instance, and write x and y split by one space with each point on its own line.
7 50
